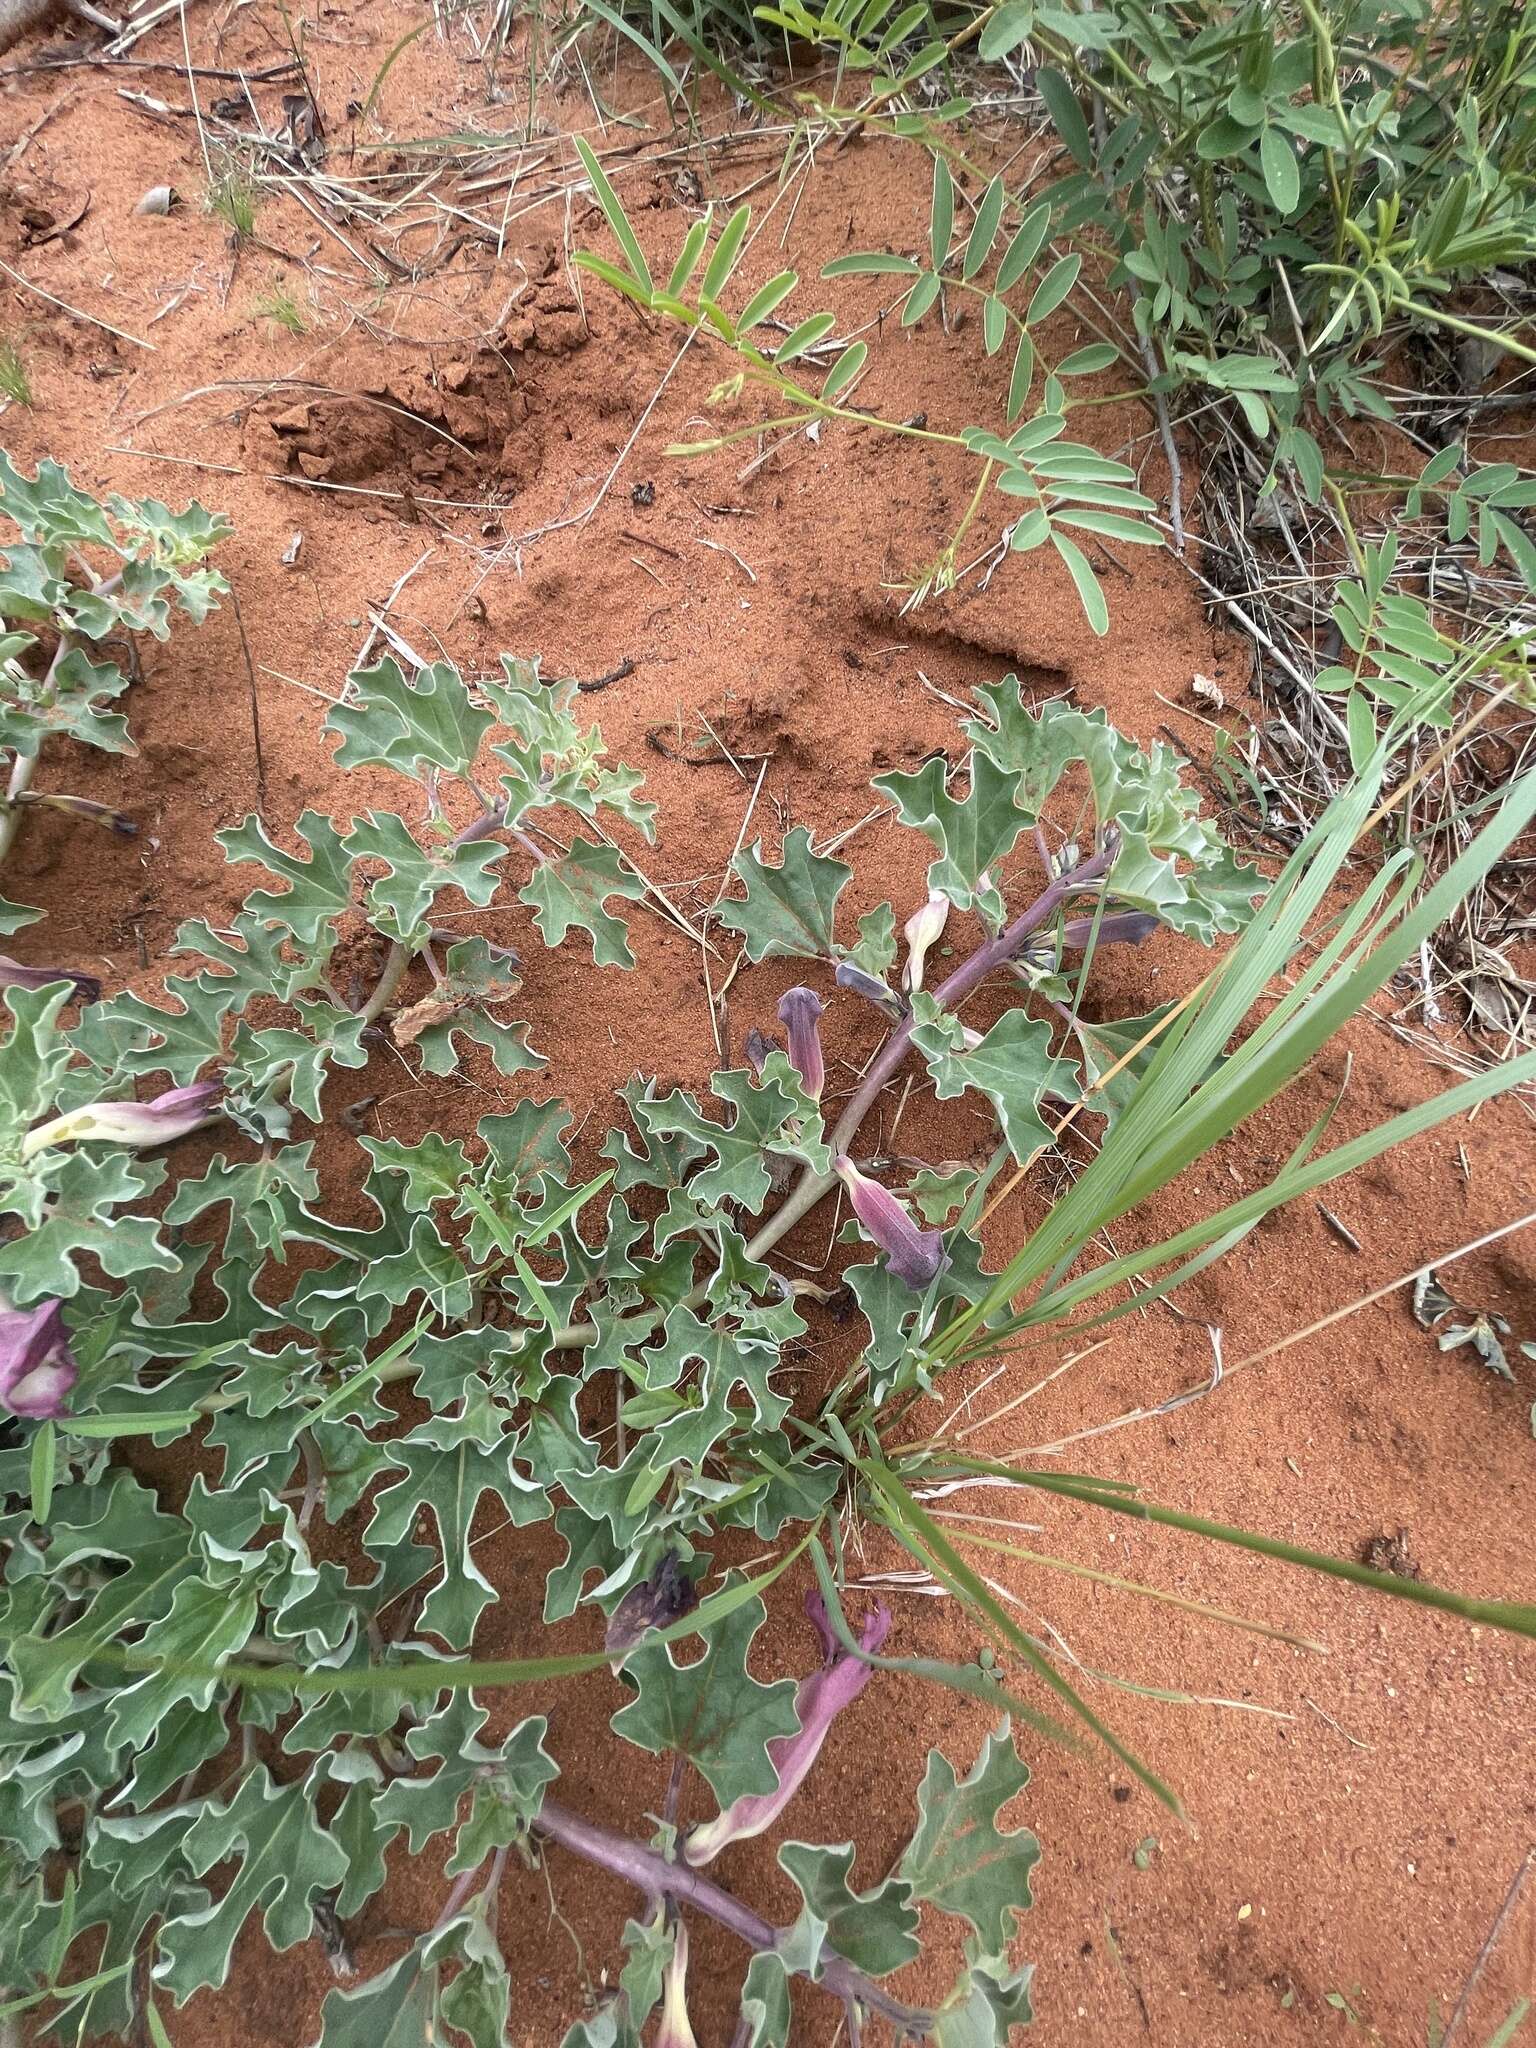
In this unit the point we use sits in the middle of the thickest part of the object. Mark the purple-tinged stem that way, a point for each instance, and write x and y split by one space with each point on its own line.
987 958
658 1879
809 1189
489 823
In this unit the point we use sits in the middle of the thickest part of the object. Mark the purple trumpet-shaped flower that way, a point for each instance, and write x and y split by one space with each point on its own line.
835 1684
676 2030
156 1122
800 1011
1115 928
666 1596
14 975
924 928
37 1367
916 1256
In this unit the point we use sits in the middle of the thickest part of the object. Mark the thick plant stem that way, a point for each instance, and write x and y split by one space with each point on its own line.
396 961
659 1879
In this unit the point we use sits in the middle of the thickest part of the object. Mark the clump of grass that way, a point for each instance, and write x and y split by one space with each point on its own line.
15 384
232 199
279 305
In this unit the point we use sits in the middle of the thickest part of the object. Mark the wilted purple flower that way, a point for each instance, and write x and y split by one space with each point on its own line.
869 986
167 1116
1117 928
923 929
37 1367
800 1011
666 1596
14 975
87 808
757 1048
916 1256
819 1698
675 2030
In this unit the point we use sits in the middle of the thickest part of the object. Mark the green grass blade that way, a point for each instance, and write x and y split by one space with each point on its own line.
1514 1617
928 1544
1287 1186
969 1680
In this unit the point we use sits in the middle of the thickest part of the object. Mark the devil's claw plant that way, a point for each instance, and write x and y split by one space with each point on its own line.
255 1695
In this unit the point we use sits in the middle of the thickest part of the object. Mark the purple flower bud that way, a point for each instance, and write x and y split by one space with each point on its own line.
818 1700
1116 928
757 1049
14 975
37 1367
168 1116
800 1011
869 986
666 1596
916 1256
923 929
675 2030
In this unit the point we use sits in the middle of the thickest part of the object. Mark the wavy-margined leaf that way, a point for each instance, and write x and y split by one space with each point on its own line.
772 1115
554 758
960 1859
282 1858
1013 1066
262 1197
445 1471
712 1711
15 917
574 890
48 506
211 1616
988 2003
1171 860
137 1553
876 1931
72 708
400 902
396 2009
765 2003
507 1780
289 1062
972 832
34 1056
406 724
789 909
85 1190
319 888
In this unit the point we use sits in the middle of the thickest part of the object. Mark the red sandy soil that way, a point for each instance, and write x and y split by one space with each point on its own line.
1356 1815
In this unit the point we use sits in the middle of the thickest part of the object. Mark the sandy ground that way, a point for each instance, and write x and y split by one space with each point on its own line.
1355 1816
